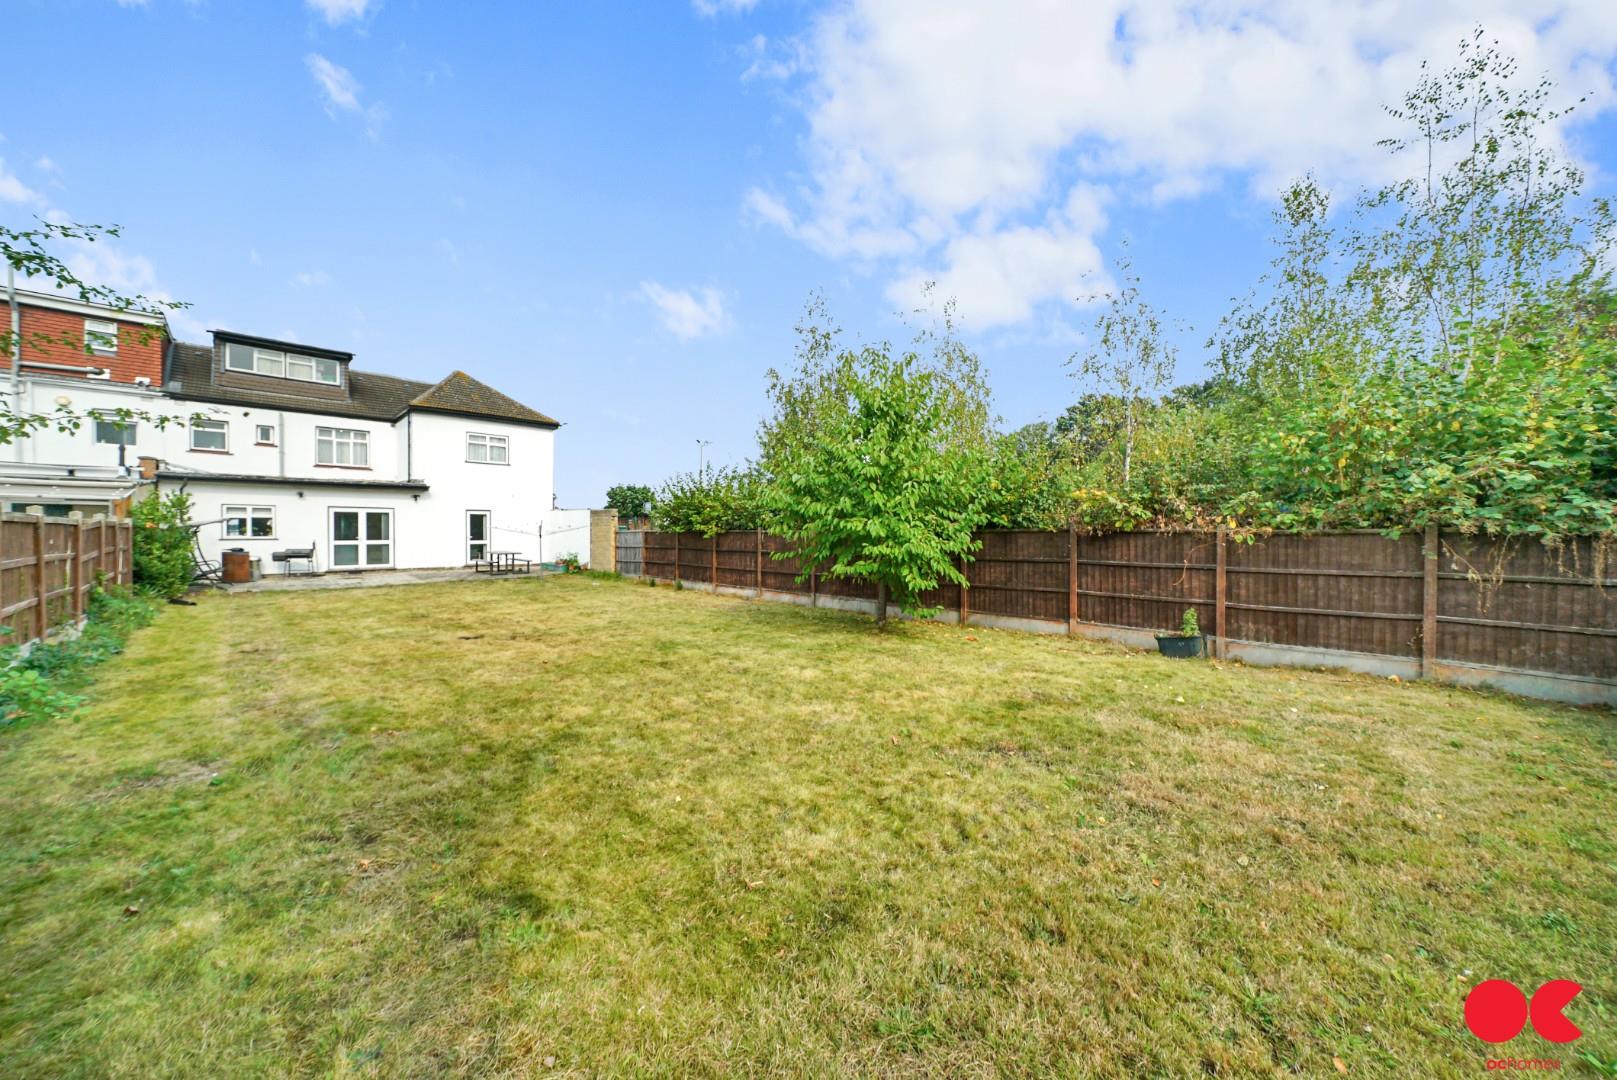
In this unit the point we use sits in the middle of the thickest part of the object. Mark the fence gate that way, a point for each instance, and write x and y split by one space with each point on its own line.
631 551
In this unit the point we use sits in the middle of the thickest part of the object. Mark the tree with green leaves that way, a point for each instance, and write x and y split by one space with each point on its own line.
629 500
879 462
709 502
32 253
1131 361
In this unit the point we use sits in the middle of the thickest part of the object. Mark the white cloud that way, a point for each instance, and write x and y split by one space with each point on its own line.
14 190
46 164
342 93
311 279
998 276
341 11
687 313
764 63
336 82
952 131
709 9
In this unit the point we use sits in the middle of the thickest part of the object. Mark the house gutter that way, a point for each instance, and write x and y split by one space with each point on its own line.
16 338
77 369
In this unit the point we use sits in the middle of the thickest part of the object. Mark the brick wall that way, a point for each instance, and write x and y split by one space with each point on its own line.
603 539
140 347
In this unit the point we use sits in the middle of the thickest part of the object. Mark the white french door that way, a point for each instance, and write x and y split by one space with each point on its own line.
361 539
477 535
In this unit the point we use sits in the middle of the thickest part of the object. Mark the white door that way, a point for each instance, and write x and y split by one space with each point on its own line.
477 535
361 539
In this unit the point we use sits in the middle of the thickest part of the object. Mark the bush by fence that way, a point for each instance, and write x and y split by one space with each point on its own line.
1516 614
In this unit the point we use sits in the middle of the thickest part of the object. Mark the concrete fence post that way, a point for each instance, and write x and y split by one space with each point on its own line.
1428 623
1219 597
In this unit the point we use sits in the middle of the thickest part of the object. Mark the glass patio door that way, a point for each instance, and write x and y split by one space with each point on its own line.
477 535
361 538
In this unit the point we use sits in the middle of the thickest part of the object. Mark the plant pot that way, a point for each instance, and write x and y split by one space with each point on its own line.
1180 647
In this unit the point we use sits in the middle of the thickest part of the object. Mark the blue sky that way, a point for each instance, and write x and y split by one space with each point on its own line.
615 212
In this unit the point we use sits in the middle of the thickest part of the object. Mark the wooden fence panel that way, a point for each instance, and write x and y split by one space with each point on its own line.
48 566
695 557
1020 573
737 559
780 575
631 546
1522 605
1357 592
1146 580
1516 606
658 553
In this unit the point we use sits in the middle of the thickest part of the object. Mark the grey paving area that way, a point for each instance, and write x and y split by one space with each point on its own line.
367 579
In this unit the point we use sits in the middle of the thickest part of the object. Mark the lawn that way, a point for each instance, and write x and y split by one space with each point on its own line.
582 826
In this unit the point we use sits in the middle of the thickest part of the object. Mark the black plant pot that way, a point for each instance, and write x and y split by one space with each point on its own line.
1181 647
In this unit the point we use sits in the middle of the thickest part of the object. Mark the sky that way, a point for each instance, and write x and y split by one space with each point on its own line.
615 213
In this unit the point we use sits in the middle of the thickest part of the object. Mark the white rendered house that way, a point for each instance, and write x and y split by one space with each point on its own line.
295 448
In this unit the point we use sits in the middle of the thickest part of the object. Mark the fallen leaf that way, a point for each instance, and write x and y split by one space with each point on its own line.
971 637
131 910
1341 1066
550 1062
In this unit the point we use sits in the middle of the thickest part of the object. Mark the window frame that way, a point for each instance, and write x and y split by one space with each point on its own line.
106 332
209 424
281 363
125 429
248 513
258 435
356 439
490 442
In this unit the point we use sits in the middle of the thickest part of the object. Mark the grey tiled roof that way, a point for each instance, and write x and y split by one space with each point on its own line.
372 396
460 393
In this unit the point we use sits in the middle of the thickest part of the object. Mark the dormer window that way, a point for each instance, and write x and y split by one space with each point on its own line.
101 337
282 365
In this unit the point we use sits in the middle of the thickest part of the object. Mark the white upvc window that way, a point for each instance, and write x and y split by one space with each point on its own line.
342 446
210 435
101 337
489 449
282 365
253 522
264 434
111 431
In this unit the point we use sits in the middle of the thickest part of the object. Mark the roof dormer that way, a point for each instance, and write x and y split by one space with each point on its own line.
246 362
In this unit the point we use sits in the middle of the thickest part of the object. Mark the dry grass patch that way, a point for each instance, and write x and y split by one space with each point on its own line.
577 826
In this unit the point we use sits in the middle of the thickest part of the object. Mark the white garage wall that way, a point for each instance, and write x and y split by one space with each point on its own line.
567 531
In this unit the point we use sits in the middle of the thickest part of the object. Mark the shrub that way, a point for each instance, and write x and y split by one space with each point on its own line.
710 502
163 561
45 683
